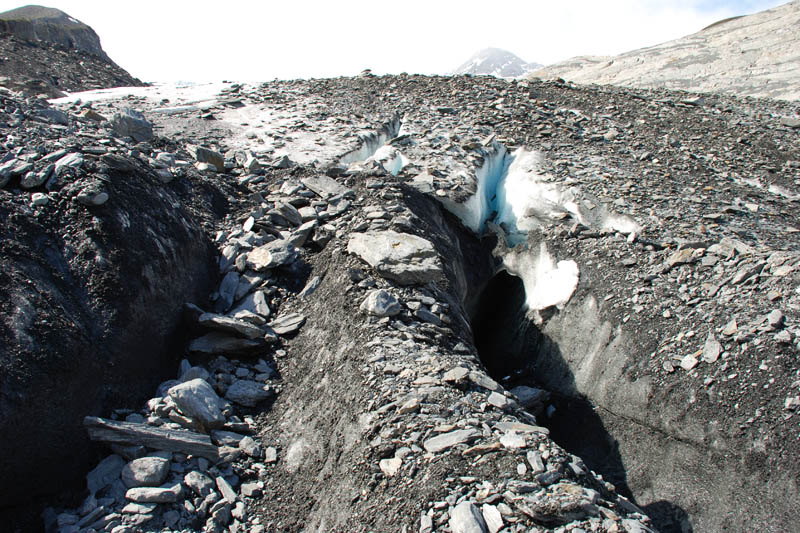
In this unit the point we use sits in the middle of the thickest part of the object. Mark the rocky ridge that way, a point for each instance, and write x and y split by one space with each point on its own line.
357 367
754 55
44 51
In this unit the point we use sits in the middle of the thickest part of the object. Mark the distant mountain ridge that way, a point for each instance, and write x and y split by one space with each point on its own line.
755 55
496 62
46 51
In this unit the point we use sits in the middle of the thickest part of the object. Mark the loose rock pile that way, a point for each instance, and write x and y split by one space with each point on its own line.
331 379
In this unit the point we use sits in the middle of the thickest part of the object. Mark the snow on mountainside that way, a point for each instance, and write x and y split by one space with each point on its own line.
755 55
496 62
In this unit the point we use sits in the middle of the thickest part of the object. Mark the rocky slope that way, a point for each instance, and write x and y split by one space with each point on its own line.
756 55
45 51
375 355
496 62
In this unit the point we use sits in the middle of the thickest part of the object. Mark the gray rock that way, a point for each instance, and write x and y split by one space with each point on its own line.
206 155
404 258
105 473
326 187
492 517
227 292
37 179
91 197
73 160
271 255
467 518
131 123
711 349
299 236
426 316
529 397
448 440
290 213
248 393
310 287
226 490
251 447
287 324
254 303
776 319
54 116
200 483
230 325
380 303
154 494
198 400
145 472
220 343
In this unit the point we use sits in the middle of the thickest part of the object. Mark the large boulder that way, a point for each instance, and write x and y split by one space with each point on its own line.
404 258
131 123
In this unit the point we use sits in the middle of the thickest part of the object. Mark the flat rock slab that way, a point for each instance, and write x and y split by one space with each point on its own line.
404 258
133 434
220 343
230 325
326 187
197 399
287 324
448 440
153 494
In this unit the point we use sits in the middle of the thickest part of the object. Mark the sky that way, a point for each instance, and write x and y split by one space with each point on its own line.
200 40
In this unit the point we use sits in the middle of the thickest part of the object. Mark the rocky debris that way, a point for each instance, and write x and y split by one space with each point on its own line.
77 230
357 396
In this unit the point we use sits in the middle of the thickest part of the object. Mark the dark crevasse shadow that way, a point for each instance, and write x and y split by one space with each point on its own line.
514 351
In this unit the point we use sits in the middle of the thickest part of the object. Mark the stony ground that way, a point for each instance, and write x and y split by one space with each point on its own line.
43 68
332 381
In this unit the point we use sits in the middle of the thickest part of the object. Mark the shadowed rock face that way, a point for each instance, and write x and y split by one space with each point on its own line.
37 23
45 51
756 55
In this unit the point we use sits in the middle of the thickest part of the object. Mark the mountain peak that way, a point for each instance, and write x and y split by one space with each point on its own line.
496 62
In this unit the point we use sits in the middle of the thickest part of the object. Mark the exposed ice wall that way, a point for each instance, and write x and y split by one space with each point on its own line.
480 207
371 143
514 193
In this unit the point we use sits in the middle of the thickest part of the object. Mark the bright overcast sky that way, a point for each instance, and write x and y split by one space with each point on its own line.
200 40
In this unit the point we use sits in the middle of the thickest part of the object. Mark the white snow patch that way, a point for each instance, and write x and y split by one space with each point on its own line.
546 282
390 159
